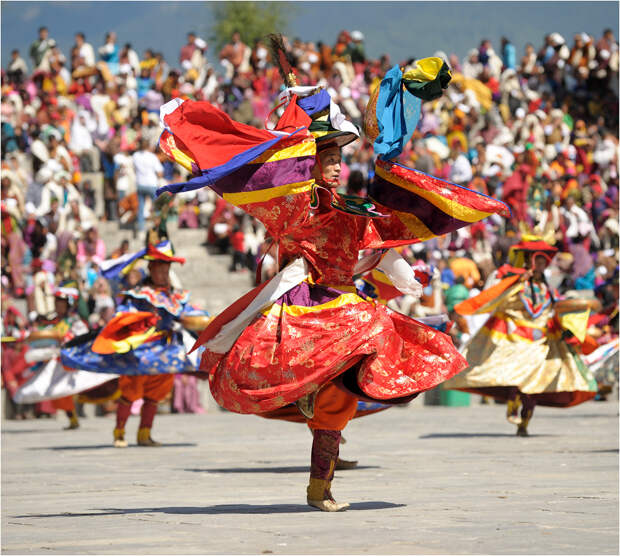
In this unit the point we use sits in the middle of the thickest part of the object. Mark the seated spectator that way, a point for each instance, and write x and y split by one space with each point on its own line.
91 248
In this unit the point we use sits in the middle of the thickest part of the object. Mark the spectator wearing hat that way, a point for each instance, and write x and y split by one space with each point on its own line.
355 49
198 59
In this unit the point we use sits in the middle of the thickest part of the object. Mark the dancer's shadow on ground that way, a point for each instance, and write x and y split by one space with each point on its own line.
477 435
290 469
102 446
217 509
24 431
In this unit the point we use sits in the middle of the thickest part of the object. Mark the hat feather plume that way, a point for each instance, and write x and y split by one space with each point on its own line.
282 59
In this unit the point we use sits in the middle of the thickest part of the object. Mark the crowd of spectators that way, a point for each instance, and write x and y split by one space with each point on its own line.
79 146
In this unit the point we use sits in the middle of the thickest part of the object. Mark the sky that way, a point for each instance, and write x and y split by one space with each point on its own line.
400 29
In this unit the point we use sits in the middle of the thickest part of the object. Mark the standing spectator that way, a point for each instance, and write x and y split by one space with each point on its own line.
198 60
460 169
81 142
39 48
528 66
509 54
125 176
235 56
355 49
188 49
238 249
85 50
148 170
18 69
516 190
108 167
109 53
130 56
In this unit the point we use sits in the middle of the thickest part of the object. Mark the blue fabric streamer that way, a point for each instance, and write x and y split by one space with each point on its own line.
398 113
315 103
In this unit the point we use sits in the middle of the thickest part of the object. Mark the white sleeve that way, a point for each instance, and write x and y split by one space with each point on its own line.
400 273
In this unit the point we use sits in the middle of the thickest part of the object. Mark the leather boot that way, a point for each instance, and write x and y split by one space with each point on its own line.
144 438
512 410
119 438
522 428
345 464
73 421
147 416
322 464
319 496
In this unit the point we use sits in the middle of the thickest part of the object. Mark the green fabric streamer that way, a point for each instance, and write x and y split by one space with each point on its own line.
430 90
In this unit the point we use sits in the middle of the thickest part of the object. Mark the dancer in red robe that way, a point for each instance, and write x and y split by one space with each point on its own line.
307 336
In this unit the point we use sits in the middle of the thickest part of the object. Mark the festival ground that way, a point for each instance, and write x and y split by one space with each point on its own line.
434 480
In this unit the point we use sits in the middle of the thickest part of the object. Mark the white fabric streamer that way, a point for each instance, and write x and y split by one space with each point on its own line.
284 281
53 382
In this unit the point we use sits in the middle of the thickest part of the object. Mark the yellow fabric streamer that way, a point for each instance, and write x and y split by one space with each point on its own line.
132 342
577 323
425 69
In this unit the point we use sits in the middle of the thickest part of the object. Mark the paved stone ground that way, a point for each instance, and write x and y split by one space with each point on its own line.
433 480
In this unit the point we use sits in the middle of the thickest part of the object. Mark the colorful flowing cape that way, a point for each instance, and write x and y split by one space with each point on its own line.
140 339
276 185
52 381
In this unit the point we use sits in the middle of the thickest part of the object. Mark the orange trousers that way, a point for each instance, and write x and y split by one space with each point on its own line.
149 387
65 403
333 408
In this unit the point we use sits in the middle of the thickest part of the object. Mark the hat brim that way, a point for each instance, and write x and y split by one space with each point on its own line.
334 139
153 254
535 247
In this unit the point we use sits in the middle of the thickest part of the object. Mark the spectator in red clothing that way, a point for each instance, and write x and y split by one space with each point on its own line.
188 49
233 56
237 243
515 192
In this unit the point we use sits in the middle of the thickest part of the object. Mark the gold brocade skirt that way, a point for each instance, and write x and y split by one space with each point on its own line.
507 353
